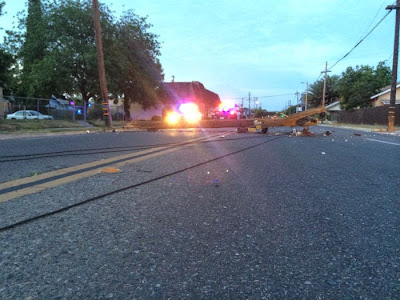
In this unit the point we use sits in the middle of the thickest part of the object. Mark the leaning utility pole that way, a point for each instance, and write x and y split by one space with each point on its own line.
100 64
391 115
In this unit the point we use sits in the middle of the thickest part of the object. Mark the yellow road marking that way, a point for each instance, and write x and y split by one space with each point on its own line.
44 186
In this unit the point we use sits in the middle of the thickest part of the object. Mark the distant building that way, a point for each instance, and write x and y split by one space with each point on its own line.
59 104
178 93
195 92
332 110
383 98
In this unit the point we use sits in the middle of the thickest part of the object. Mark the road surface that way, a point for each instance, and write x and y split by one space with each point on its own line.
201 215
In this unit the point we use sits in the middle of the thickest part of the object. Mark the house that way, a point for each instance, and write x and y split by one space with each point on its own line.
195 92
333 109
59 104
178 93
383 98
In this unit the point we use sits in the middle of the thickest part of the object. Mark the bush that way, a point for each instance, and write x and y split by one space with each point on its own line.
95 113
156 118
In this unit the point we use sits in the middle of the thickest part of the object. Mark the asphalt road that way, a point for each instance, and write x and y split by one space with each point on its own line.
240 216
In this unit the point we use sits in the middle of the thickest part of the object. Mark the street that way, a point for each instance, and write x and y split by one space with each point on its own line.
201 215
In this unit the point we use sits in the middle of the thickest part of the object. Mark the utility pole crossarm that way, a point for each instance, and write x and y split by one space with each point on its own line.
391 7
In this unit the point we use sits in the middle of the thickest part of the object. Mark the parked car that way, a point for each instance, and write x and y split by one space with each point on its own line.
28 115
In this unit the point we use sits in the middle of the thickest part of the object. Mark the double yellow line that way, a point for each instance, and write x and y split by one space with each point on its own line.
35 184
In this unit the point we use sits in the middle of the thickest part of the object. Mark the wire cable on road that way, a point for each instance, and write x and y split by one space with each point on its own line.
66 208
93 151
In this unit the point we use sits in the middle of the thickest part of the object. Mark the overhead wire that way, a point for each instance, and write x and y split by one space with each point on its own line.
344 56
133 186
359 42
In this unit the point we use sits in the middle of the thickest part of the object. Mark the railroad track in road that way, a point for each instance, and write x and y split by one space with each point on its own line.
11 190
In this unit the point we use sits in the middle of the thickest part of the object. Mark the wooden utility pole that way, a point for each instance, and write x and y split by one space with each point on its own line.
249 105
391 115
297 97
1 104
100 64
324 90
306 103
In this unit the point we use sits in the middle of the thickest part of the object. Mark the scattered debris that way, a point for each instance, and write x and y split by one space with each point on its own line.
327 133
111 170
295 133
241 130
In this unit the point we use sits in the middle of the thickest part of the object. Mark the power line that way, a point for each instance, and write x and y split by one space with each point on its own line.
360 40
377 13
269 96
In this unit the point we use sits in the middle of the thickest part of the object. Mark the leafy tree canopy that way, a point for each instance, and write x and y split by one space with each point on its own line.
67 61
6 61
357 85
316 90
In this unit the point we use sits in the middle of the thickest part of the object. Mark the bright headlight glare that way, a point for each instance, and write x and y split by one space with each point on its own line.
173 118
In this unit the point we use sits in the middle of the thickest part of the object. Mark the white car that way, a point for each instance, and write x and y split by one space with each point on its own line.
29 115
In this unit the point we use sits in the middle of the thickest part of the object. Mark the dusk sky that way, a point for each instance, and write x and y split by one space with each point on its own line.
266 48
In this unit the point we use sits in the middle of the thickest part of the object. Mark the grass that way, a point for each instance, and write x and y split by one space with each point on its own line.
22 126
35 126
101 123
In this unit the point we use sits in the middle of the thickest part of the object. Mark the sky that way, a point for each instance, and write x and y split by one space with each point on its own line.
267 48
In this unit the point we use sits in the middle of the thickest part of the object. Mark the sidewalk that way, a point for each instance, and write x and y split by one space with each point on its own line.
362 127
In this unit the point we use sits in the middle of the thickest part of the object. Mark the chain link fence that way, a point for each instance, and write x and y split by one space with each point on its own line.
59 109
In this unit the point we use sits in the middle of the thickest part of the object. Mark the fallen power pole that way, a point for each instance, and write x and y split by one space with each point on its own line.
100 64
391 115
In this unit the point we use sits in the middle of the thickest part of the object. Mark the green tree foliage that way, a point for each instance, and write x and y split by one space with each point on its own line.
290 110
356 86
316 90
259 112
69 62
6 61
33 49
132 57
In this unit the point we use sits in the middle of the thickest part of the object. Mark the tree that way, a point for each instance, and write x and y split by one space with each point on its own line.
33 49
316 91
6 61
69 63
260 113
134 65
290 110
356 86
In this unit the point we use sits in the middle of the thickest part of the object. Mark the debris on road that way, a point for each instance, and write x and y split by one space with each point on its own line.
327 133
